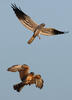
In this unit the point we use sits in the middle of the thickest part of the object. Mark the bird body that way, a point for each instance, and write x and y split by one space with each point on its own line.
33 26
26 77
36 33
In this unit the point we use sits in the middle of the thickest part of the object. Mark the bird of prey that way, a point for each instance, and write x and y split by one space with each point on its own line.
33 26
26 77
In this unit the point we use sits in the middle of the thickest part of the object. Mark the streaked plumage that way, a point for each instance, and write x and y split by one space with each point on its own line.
26 77
33 26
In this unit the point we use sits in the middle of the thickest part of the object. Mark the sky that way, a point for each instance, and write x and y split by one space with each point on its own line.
51 56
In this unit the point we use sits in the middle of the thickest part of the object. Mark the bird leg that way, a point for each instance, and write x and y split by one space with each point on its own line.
39 36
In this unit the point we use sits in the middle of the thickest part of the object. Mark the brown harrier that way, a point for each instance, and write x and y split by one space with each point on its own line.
34 27
26 77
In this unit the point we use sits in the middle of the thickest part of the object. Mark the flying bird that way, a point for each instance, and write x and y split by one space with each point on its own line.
37 29
26 77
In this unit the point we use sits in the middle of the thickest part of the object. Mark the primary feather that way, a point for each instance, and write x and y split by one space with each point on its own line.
24 18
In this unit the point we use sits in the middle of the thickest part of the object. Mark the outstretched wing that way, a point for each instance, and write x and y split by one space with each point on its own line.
18 87
39 81
28 81
22 69
14 68
50 31
24 18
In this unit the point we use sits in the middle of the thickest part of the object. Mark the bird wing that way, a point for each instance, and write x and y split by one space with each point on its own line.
18 87
14 68
39 81
22 69
50 31
24 18
28 81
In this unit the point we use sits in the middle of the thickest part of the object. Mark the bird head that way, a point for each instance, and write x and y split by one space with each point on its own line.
42 24
32 73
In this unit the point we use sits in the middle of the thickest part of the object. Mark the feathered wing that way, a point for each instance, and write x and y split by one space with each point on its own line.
28 81
14 68
51 31
22 69
31 79
39 81
18 86
24 18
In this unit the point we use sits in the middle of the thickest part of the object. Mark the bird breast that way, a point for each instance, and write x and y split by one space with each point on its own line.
29 78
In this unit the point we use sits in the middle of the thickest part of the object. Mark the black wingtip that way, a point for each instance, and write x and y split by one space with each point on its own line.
16 88
19 13
13 6
56 32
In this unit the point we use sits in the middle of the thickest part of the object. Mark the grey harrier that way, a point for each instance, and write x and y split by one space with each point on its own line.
26 77
34 27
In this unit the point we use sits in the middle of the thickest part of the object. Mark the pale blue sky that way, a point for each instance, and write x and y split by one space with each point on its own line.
51 56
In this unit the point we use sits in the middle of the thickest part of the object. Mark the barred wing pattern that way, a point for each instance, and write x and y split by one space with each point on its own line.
51 31
22 69
24 18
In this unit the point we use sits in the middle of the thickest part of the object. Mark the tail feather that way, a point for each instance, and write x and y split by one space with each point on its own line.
33 37
31 40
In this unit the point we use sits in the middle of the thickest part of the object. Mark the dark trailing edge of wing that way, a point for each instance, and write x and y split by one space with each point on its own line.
18 11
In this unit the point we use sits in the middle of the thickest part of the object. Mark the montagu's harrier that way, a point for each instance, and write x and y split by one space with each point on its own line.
26 77
34 27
